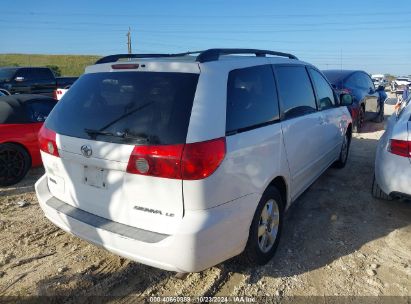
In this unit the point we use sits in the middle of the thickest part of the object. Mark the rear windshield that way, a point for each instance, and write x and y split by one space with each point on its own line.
127 107
334 77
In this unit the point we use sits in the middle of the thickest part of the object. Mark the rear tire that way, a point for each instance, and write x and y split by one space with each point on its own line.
357 126
265 229
378 193
15 161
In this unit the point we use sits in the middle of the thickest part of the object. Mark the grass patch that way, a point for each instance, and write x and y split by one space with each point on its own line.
69 65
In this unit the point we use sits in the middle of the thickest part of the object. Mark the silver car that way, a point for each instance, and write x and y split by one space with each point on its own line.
392 177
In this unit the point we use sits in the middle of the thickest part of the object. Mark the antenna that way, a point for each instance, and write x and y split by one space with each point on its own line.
129 40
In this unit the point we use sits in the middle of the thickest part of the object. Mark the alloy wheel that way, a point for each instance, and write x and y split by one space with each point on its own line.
268 225
11 164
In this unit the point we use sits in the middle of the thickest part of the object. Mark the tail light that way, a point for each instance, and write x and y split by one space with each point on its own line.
47 141
189 162
55 94
200 160
400 147
161 161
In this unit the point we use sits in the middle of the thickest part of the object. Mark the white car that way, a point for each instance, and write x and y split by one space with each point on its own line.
393 157
183 161
379 80
398 85
59 93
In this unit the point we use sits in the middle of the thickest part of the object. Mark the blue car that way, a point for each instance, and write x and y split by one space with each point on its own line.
368 101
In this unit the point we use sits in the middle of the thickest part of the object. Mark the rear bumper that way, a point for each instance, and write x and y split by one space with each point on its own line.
392 172
204 238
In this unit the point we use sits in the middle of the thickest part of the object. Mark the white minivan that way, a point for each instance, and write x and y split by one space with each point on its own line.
184 161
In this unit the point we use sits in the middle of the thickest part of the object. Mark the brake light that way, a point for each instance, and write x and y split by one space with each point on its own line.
122 66
189 162
400 147
200 160
47 141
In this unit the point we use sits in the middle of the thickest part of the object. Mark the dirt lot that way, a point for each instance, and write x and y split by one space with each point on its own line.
338 240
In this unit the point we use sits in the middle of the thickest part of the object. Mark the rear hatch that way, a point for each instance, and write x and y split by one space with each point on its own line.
100 122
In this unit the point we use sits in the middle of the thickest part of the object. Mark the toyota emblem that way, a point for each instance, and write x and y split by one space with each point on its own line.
86 150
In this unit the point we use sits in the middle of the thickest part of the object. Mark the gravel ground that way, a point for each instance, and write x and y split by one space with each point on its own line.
337 241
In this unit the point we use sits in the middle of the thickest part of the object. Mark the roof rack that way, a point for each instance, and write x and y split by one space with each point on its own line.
214 54
203 56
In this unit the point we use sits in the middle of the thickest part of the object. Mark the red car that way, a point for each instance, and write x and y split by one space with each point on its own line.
21 117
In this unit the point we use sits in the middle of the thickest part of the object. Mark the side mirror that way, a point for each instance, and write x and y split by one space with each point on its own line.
19 79
381 88
346 100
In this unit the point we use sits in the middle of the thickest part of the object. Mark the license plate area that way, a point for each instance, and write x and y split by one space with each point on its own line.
95 177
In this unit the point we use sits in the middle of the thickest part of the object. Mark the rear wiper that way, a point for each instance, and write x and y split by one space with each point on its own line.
94 133
127 135
122 134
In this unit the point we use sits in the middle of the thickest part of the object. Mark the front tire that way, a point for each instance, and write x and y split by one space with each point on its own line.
345 148
265 229
14 164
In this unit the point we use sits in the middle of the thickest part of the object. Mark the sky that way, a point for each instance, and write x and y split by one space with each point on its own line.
352 34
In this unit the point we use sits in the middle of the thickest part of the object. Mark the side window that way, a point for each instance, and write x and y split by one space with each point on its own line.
352 82
43 74
251 98
38 110
295 91
24 73
357 80
367 80
324 91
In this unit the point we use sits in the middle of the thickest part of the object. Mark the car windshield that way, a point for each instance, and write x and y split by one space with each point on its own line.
402 107
123 107
7 73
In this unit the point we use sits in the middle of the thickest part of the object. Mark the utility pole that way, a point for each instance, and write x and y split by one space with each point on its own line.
129 40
